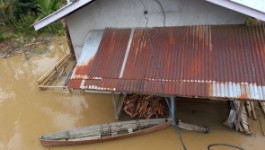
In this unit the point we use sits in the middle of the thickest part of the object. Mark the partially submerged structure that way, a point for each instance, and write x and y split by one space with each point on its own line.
185 48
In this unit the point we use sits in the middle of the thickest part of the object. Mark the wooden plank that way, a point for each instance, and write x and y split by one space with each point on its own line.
52 71
48 79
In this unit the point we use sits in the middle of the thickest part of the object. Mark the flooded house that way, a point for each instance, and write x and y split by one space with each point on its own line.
187 51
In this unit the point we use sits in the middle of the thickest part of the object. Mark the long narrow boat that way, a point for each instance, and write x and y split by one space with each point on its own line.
103 132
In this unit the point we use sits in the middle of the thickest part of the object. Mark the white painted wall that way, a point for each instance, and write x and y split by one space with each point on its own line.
129 13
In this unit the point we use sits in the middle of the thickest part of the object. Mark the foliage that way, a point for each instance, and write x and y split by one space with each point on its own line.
25 7
47 7
6 9
21 14
24 25
6 36
1 36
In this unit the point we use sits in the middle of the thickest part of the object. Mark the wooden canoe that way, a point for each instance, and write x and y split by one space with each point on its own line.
103 132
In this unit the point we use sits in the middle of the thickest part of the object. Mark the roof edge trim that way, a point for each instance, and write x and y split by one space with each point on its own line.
62 12
239 8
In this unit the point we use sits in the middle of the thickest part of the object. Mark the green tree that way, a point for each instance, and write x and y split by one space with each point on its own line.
24 7
47 7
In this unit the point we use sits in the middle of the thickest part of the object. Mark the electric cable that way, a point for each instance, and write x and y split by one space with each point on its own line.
224 144
152 57
163 11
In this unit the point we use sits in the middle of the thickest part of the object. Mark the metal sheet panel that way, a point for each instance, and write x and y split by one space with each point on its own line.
225 62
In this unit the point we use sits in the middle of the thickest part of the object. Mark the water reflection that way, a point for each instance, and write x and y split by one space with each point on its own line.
6 94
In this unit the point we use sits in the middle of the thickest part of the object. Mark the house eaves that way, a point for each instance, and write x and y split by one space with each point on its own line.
62 12
244 8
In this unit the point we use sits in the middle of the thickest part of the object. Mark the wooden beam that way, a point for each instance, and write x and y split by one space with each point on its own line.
120 104
244 123
114 102
248 107
68 37
253 110
239 115
262 105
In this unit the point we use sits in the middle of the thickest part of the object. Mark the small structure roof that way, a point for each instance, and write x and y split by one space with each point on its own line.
225 61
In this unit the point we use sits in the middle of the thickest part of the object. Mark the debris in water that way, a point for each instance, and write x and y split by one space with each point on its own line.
192 127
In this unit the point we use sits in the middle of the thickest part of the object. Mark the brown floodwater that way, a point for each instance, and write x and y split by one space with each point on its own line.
26 113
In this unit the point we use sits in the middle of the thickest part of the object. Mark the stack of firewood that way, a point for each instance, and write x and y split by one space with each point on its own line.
144 106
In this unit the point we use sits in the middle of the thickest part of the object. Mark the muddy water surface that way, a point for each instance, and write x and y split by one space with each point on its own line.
26 113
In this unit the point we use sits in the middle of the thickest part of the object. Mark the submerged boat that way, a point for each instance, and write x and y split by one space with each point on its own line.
103 132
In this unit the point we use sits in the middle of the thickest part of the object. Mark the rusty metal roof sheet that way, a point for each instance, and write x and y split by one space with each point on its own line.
224 61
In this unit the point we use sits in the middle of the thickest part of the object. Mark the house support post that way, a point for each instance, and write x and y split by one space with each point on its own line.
114 102
117 101
239 115
172 110
69 40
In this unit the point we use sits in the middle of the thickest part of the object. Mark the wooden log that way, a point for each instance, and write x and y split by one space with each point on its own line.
44 86
192 127
143 106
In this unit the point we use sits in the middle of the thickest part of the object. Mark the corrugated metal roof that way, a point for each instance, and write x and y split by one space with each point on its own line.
225 61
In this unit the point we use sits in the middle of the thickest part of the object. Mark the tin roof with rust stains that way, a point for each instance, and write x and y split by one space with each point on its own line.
224 61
